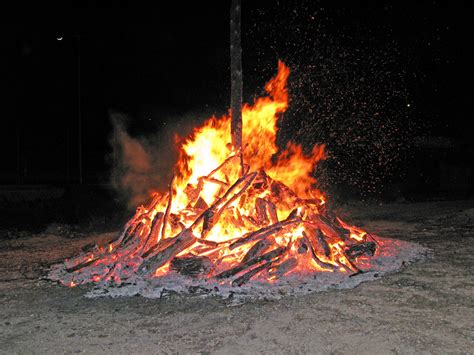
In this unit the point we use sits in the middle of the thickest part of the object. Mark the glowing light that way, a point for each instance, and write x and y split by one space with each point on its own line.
276 194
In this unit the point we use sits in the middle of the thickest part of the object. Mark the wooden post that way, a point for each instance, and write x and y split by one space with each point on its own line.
236 76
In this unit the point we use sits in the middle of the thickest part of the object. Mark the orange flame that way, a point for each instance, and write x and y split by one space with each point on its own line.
205 173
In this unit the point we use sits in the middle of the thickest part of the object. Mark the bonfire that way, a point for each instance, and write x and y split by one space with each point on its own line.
239 213
230 217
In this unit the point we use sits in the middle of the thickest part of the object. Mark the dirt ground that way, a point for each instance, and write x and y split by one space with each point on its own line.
426 308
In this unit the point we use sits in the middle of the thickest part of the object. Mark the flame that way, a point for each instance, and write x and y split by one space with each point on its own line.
209 145
212 212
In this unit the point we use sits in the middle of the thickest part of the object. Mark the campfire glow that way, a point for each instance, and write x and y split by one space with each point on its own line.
220 223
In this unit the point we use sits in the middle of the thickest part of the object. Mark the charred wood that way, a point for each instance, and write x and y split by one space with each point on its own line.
155 228
310 241
322 243
251 220
167 211
184 240
207 223
280 191
275 253
366 248
249 274
201 204
331 226
213 213
88 247
272 211
358 272
302 246
257 249
261 210
191 265
81 265
264 232
292 214
283 268
261 181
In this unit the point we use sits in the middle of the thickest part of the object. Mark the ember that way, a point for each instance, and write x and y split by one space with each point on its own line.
220 224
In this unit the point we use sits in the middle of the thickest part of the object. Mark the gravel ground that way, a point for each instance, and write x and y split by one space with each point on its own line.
426 308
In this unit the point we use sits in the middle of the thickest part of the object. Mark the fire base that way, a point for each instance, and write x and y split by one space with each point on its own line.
392 255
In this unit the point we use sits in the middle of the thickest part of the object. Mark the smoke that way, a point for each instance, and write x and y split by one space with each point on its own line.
144 163
139 165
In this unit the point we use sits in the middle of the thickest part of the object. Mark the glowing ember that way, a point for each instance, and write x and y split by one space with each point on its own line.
218 224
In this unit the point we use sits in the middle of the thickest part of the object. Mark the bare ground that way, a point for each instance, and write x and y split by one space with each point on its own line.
426 308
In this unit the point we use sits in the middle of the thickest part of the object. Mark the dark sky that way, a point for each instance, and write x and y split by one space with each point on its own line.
166 62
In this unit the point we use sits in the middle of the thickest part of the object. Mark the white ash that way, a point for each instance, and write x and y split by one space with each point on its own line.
391 257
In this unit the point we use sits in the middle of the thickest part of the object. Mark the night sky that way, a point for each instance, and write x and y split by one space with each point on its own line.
171 64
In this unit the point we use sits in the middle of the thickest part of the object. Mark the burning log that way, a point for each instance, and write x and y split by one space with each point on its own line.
192 192
250 220
367 248
270 256
256 249
159 246
81 265
209 243
191 265
223 165
323 243
249 274
184 240
130 232
239 219
328 231
282 192
264 232
261 210
310 242
261 181
311 201
332 228
155 228
249 178
212 214
292 214
283 268
167 211
352 267
208 222
215 181
302 247
272 212
137 222
201 204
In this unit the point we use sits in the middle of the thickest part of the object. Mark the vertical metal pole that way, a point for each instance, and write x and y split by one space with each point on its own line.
79 109
236 74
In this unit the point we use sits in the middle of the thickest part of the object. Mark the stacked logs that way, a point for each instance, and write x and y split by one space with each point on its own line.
308 232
